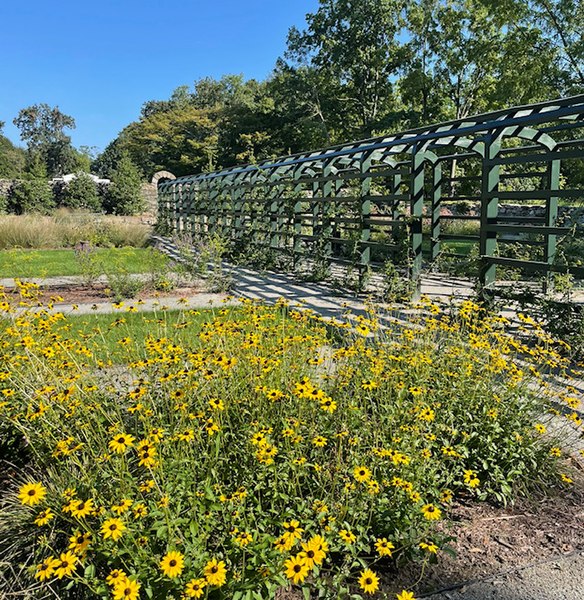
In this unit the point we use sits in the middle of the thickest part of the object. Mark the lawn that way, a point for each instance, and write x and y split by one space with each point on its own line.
53 263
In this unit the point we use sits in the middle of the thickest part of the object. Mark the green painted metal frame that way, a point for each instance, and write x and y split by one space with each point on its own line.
363 203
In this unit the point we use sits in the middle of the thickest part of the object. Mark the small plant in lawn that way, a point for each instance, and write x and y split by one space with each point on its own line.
223 456
92 268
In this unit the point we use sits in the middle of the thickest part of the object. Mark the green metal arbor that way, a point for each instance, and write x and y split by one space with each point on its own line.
389 198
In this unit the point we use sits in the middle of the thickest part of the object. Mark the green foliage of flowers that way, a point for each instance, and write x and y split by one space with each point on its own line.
238 454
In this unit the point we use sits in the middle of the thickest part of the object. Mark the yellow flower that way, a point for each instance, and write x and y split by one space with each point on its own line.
47 568
328 404
283 544
384 547
122 507
121 442
80 509
126 589
431 512
319 441
44 517
195 587
431 547
471 479
296 569
79 542
404 595
540 428
31 493
347 536
113 528
369 581
362 474
293 531
172 564
215 572
65 565
313 551
115 577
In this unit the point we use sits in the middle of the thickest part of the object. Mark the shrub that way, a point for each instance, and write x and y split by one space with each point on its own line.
31 196
81 193
229 449
124 196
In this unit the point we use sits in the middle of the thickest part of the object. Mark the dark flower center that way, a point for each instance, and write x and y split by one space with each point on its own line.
172 563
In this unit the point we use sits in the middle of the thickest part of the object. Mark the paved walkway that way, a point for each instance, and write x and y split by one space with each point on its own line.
558 579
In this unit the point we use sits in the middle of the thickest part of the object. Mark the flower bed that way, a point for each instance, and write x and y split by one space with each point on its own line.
246 452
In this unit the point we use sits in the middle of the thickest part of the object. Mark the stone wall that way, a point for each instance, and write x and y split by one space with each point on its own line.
150 192
5 185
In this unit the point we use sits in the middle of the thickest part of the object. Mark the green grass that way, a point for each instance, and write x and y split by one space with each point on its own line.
105 331
53 263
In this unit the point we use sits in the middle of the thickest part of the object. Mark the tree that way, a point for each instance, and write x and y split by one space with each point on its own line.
124 196
42 128
355 42
12 159
32 194
105 164
81 193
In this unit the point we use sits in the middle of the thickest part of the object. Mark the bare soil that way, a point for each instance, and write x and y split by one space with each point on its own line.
489 540
81 294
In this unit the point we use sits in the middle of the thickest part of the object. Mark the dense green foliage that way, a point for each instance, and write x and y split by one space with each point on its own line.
12 159
81 192
123 196
33 194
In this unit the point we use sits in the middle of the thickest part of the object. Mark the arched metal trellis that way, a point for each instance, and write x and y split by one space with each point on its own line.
389 198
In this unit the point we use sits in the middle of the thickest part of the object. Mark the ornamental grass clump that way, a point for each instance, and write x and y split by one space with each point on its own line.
241 451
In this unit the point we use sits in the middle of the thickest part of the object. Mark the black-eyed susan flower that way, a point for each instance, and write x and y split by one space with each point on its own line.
312 553
32 493
172 564
121 442
319 441
347 536
292 530
361 474
115 577
82 508
431 512
369 582
66 565
429 547
44 517
47 568
215 572
471 479
79 542
384 547
126 589
296 569
113 528
195 588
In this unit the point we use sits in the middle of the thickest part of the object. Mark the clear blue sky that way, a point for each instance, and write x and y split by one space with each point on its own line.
100 61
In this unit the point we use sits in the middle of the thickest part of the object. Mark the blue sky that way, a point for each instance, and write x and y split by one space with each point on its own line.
100 61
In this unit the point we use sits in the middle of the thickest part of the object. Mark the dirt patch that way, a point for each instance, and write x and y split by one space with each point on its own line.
80 294
490 540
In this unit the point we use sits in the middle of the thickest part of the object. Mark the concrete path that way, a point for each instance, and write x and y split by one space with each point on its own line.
557 579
